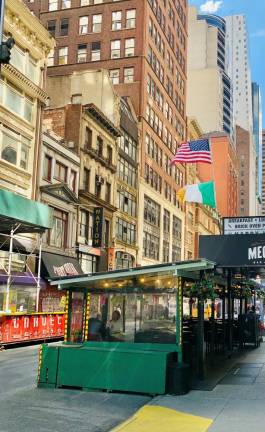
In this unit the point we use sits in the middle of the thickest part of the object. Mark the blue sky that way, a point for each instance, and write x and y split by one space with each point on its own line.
254 10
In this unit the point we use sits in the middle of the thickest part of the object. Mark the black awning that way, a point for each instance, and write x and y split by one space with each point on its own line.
54 265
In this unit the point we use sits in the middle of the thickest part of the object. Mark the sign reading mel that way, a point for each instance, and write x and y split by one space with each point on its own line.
234 250
244 225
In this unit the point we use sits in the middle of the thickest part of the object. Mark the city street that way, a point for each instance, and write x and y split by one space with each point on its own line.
25 408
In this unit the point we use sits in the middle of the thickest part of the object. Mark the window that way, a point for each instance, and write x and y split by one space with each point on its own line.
99 147
124 260
115 76
86 180
126 202
47 167
81 53
83 25
130 18
150 245
166 225
53 5
109 154
63 55
125 231
88 263
126 171
129 47
60 172
57 236
50 60
88 137
116 20
72 180
115 48
83 224
151 211
128 75
51 27
108 193
66 4
165 251
14 148
129 146
64 27
96 23
95 51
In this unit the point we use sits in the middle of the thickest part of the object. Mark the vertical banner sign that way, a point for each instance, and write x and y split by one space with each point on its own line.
98 225
86 316
111 258
179 318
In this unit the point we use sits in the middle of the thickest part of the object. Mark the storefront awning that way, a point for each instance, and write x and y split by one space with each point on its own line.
26 215
54 266
139 275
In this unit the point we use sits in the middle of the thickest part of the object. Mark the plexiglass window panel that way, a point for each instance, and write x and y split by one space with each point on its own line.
76 320
135 318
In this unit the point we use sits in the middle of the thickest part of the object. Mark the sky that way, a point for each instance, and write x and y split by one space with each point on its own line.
254 10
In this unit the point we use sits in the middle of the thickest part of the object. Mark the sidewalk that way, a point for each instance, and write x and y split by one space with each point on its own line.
236 404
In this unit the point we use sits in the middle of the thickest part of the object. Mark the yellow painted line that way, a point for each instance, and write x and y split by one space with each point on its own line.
160 419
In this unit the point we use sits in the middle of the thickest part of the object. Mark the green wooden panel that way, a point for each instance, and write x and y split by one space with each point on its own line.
113 369
49 365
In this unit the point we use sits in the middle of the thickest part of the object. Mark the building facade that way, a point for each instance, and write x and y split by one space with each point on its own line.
84 111
143 45
126 230
257 134
224 171
238 66
209 85
263 175
22 99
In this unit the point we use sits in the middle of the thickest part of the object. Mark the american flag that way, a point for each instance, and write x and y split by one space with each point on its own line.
193 151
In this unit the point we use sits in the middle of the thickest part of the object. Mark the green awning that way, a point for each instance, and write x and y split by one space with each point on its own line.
27 215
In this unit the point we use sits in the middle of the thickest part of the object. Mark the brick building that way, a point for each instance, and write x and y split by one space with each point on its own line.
224 171
143 46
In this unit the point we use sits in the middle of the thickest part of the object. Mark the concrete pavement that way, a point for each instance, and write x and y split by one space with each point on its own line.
24 408
237 404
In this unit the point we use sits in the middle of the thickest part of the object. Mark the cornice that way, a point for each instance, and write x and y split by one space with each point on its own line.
19 17
24 83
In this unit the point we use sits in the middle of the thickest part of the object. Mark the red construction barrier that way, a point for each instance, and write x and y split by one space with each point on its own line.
26 327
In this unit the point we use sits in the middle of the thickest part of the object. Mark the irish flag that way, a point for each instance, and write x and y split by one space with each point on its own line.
203 193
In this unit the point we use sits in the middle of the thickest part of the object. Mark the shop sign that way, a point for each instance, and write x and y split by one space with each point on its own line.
18 328
244 225
234 251
60 265
98 224
111 258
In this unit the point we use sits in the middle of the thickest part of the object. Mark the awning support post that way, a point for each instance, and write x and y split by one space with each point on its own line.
38 277
200 334
230 318
9 276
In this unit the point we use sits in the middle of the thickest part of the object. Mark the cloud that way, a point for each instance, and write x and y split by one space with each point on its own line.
258 33
211 6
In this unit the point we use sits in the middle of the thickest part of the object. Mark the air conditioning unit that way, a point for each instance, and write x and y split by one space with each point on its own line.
71 144
99 179
125 256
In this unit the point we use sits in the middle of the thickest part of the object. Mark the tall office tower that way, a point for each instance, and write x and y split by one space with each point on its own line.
263 174
238 66
209 96
143 45
257 132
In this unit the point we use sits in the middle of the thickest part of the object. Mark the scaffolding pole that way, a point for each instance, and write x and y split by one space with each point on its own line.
38 277
9 275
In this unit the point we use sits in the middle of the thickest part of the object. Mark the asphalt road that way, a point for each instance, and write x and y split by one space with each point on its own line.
25 408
